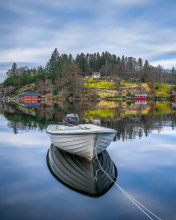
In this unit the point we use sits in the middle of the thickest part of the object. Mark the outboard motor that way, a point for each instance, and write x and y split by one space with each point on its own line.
71 118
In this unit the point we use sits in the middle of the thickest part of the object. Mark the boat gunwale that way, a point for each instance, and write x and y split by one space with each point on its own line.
81 133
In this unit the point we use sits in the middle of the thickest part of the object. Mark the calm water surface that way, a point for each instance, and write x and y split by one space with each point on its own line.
144 153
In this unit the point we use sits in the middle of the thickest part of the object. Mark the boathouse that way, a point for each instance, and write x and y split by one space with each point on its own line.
29 96
96 75
141 98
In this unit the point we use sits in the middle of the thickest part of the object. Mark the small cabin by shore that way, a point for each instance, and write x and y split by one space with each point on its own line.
96 75
141 97
31 96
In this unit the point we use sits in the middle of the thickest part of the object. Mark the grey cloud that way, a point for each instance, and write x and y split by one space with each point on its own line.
90 27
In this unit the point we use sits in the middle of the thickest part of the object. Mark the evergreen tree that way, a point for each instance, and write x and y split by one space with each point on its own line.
140 63
118 60
131 63
70 58
123 63
82 63
146 64
145 71
173 76
14 69
97 62
50 67
102 59
173 71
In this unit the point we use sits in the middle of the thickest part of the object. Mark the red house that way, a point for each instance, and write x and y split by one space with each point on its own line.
141 97
174 95
31 96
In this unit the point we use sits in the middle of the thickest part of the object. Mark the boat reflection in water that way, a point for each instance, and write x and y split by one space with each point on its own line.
80 174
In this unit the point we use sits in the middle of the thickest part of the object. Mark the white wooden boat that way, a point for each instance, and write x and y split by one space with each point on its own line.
85 140
81 175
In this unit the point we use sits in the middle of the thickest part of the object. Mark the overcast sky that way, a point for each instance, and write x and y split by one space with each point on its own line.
31 29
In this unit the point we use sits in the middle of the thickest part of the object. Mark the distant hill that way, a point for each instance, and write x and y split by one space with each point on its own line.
64 76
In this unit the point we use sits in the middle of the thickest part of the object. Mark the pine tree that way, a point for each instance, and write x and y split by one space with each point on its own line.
98 62
123 63
173 71
140 63
82 63
14 70
70 58
50 66
146 64
130 63
145 71
102 59
114 59
118 60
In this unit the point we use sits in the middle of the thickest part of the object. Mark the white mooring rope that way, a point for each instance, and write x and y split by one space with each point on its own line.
134 201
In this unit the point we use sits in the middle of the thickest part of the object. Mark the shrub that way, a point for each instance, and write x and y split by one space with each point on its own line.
128 94
54 91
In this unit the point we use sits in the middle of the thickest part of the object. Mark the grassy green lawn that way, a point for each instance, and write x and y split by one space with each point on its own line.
99 84
162 89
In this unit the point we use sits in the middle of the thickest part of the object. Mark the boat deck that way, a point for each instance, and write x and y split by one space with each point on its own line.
79 129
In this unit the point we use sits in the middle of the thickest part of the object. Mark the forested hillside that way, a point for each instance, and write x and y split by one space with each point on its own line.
66 74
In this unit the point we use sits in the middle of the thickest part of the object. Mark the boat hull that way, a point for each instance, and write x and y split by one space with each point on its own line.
84 145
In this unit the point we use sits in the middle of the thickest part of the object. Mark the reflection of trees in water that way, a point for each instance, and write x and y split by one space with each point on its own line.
28 118
25 118
21 126
132 127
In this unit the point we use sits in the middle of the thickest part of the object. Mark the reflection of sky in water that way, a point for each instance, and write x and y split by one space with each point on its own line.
146 170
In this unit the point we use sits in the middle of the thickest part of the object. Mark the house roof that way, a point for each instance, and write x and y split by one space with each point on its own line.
141 94
31 94
95 73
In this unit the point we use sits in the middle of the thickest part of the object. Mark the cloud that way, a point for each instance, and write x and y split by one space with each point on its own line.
129 2
167 63
143 151
31 30
24 55
166 131
75 38
23 140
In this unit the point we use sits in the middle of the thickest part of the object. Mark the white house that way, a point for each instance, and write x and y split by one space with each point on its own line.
96 75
